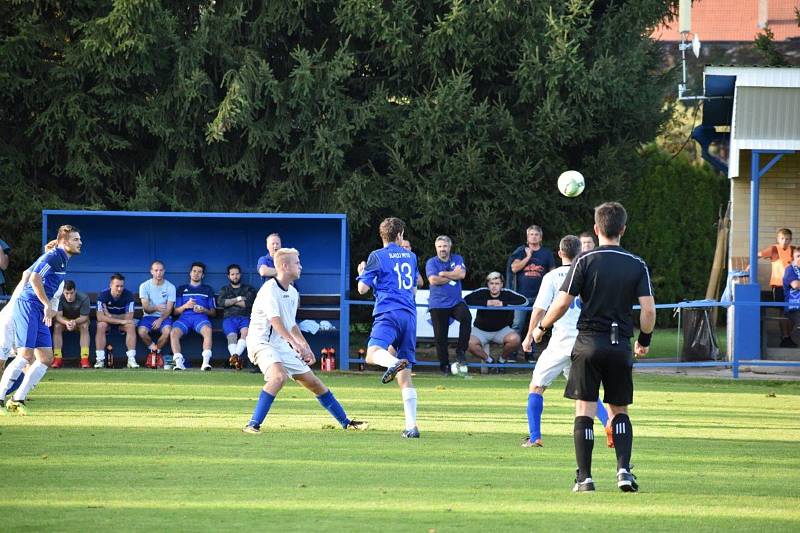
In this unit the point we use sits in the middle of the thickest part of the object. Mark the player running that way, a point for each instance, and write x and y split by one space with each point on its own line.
556 358
276 345
391 272
33 314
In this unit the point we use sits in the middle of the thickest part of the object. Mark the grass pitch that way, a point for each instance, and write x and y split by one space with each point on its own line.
160 451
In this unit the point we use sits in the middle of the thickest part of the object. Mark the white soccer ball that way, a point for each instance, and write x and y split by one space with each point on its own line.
571 183
455 369
463 369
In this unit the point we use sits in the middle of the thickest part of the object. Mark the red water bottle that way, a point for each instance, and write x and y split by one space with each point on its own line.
323 360
362 354
331 359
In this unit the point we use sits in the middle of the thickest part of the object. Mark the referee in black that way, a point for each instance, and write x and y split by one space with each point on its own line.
609 280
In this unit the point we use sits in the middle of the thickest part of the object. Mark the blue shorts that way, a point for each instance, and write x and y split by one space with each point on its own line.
396 328
235 324
29 328
195 322
147 322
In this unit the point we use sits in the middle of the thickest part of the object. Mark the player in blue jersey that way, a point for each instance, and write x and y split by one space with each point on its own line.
115 307
194 304
391 273
266 263
33 314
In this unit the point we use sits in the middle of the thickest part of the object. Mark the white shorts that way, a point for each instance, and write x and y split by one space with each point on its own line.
485 337
264 356
555 359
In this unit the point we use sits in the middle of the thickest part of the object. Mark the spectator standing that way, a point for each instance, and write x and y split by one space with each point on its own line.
609 281
494 325
445 272
115 307
194 305
72 316
780 256
236 301
405 244
529 263
158 301
587 241
266 263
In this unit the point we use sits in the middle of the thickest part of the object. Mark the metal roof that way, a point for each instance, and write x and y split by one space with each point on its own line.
766 108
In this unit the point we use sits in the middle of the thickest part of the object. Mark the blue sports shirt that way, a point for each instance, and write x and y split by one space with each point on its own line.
116 306
792 296
202 295
52 267
265 260
392 273
449 294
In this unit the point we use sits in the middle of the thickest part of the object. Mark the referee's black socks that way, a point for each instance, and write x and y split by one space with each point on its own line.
584 443
623 440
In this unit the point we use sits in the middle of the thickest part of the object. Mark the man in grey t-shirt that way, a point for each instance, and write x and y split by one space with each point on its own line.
158 301
73 316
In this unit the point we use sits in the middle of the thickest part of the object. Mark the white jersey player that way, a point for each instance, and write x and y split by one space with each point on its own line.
276 345
556 358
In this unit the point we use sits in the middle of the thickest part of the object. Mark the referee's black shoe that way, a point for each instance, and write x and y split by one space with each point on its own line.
587 485
626 481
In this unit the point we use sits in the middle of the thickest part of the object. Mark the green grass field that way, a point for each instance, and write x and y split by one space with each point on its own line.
160 451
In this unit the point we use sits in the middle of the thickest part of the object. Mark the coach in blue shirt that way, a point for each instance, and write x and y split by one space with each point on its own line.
445 272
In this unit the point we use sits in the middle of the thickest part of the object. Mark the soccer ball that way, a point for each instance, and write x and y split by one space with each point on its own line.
458 369
571 183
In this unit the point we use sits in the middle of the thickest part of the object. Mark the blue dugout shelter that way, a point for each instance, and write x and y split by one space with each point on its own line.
127 242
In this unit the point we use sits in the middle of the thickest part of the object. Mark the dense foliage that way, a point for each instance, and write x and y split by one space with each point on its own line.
456 116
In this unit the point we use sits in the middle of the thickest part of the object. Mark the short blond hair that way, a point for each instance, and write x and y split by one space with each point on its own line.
284 252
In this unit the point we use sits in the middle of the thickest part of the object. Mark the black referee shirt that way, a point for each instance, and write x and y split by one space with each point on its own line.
609 280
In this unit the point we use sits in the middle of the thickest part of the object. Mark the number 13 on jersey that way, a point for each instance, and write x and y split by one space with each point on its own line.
405 279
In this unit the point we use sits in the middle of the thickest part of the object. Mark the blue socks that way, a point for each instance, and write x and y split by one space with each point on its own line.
17 382
535 408
265 400
602 414
329 402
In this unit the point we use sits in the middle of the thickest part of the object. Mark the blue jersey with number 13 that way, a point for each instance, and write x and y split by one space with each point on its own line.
392 274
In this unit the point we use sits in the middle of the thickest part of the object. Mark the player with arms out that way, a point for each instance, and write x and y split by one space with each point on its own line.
391 272
277 347
33 314
556 357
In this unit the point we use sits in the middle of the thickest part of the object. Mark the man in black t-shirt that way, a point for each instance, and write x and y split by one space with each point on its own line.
490 325
609 281
72 316
236 299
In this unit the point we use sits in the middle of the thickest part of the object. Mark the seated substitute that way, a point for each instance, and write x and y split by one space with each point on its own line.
278 348
115 308
266 263
72 316
494 326
158 301
791 291
194 304
236 300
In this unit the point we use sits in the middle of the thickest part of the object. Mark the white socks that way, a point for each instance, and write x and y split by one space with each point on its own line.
240 346
383 358
100 354
11 374
206 357
232 349
131 354
410 406
32 378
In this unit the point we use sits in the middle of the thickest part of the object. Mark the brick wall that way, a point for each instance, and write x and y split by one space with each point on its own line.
779 206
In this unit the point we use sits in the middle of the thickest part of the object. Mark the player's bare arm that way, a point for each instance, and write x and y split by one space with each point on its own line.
557 309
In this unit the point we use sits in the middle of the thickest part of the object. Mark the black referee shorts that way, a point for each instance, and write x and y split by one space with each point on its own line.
594 361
